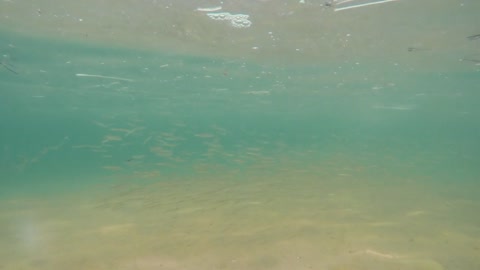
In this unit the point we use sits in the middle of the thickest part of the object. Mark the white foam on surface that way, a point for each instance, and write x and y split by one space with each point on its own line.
237 20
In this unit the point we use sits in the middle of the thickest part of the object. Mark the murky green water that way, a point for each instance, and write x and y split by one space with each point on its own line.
116 156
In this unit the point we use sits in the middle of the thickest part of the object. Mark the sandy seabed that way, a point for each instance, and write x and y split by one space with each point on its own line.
300 219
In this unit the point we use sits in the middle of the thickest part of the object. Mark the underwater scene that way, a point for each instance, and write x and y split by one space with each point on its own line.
254 134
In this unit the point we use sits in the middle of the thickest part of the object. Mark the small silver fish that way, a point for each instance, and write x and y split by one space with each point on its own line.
474 37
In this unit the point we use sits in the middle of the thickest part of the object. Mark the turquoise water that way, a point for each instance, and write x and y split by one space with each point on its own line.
122 157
